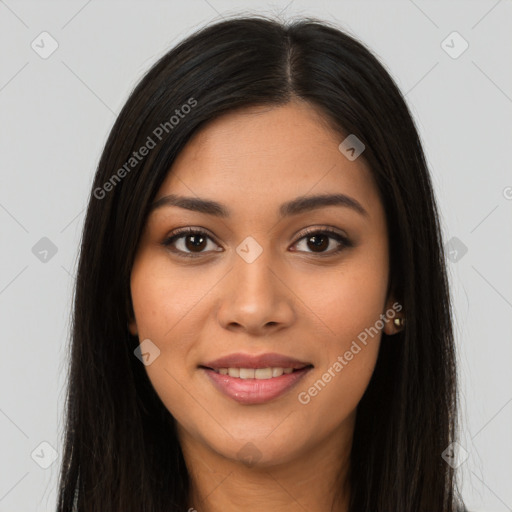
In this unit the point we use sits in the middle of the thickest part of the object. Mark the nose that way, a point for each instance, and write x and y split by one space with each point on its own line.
255 297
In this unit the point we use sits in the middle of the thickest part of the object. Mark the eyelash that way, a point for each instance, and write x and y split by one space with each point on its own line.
181 233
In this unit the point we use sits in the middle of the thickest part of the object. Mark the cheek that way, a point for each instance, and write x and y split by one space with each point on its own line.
350 311
346 305
164 304
347 300
162 299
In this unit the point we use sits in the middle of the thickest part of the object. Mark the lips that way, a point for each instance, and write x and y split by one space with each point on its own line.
225 373
268 360
254 391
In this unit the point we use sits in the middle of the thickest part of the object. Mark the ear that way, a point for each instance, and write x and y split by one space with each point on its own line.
132 326
394 309
132 323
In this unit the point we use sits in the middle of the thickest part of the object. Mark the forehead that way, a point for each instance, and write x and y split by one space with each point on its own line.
257 158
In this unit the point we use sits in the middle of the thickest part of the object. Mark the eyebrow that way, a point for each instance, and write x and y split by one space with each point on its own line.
294 207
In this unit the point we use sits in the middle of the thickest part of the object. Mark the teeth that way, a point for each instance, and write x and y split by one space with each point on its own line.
234 372
246 373
254 373
277 372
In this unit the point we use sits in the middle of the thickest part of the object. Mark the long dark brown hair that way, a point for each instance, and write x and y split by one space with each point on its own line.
121 451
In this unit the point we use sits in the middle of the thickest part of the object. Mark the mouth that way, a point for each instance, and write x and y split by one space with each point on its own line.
260 362
257 373
255 386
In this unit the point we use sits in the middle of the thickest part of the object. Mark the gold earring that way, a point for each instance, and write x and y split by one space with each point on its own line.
399 322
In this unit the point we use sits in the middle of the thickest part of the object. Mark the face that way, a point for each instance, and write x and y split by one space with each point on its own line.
308 284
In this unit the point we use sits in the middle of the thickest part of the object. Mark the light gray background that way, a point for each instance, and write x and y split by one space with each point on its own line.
55 117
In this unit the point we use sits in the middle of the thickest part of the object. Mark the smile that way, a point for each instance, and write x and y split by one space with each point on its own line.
251 386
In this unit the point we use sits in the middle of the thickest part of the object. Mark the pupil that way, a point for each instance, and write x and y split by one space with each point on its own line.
321 245
199 244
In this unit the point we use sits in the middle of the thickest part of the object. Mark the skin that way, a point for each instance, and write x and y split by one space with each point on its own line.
290 300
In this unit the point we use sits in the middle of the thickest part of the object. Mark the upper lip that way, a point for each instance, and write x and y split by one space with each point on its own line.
240 360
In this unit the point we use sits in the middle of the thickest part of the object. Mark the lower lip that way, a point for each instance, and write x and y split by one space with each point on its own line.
255 391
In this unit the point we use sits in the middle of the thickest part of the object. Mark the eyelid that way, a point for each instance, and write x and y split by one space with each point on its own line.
331 230
189 230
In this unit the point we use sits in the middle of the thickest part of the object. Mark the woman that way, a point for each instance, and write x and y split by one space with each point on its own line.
262 316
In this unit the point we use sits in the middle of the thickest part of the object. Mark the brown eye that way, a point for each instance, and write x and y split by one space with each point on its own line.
195 242
318 241
189 243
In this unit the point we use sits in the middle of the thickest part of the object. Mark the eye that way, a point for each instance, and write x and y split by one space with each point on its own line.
320 240
193 242
189 239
